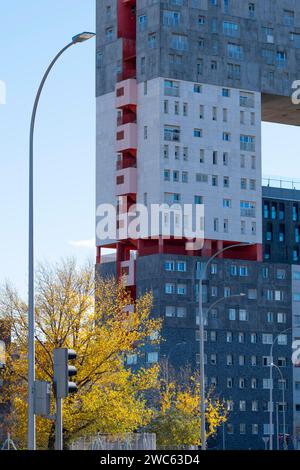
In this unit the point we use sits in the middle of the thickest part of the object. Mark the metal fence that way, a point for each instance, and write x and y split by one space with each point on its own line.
133 441
281 183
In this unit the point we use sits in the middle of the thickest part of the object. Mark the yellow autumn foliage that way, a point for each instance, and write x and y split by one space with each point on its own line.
110 397
178 421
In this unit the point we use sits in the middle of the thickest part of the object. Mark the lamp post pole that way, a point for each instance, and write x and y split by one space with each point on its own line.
201 337
31 317
283 402
271 389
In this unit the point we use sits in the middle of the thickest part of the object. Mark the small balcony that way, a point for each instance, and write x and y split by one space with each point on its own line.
129 49
126 137
126 93
126 181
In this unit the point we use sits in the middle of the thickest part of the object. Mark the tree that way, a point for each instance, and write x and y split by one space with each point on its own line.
178 422
110 396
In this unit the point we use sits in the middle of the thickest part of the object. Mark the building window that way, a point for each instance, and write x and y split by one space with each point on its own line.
267 338
230 382
288 18
229 360
229 337
243 316
171 18
152 357
142 21
252 294
171 88
281 59
109 34
181 289
226 92
169 288
235 51
253 361
270 317
253 338
166 151
251 9
242 360
254 405
166 175
281 317
227 203
198 133
282 340
179 42
200 66
231 29
255 429
232 314
197 88
247 143
172 133
131 359
152 40
234 71
248 209
169 266
181 266
214 180
242 405
198 200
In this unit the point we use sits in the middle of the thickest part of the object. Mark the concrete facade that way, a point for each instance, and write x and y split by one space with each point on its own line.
180 102
236 331
266 59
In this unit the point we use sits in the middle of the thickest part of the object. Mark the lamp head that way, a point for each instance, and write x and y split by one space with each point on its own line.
82 37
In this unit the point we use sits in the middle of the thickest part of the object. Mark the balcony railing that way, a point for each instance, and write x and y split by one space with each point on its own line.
281 183
126 119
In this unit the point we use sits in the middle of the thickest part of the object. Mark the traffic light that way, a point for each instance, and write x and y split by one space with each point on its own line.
62 371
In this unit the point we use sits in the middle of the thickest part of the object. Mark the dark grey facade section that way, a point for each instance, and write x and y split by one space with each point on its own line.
241 340
247 45
281 225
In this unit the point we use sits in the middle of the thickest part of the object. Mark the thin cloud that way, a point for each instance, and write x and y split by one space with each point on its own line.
83 243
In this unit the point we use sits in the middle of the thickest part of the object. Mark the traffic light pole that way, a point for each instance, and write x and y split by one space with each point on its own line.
58 425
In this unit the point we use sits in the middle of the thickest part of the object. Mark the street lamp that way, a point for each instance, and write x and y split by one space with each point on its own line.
31 319
271 388
201 337
283 402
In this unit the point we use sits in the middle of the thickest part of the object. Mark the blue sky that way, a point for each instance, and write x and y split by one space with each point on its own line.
31 33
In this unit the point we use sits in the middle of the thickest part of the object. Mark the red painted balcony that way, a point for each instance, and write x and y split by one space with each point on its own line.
129 49
126 93
128 73
126 181
126 138
126 119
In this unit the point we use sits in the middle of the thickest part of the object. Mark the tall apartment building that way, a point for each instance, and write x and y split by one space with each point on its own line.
182 87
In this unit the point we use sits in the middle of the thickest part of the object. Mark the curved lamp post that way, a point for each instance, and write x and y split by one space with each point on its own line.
31 320
283 403
201 336
271 387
